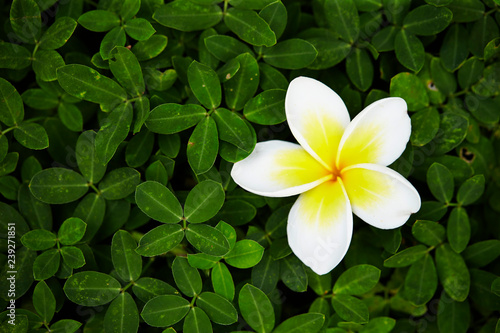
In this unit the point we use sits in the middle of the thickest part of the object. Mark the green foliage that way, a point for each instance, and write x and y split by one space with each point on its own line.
120 123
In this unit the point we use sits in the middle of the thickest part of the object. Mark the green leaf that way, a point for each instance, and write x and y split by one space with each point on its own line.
114 130
197 321
37 213
202 260
245 254
205 84
119 183
65 326
276 16
204 201
425 126
350 308
359 69
225 48
187 278
90 288
46 63
40 99
150 48
158 202
222 281
88 84
39 239
265 275
238 212
87 158
91 209
379 325
290 54
127 263
171 118
44 301
306 322
46 264
127 70
233 129
218 309
71 231
454 49
139 149
256 309
58 186
58 33
73 256
453 273
383 40
471 190
250 27
147 288
428 232
11 104
122 315
483 30
458 229
243 85
26 20
406 257
203 146
409 50
9 163
165 310
99 20
427 20
207 239
444 81
453 316
114 38
440 182
357 280
139 29
293 273
411 89
470 72
14 56
70 116
421 281
342 17
188 16
32 136
482 253
466 10
160 240
453 129
228 231
267 108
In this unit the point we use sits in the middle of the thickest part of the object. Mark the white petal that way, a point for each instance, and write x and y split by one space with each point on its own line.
320 227
279 169
378 134
380 196
317 117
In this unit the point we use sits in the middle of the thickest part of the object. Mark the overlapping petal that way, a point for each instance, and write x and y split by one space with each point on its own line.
380 196
278 169
320 226
378 134
317 117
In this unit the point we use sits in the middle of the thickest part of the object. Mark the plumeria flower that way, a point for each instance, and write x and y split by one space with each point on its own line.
339 167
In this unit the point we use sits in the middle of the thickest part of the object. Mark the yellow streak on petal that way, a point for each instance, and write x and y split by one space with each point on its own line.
365 188
296 167
362 146
324 204
322 133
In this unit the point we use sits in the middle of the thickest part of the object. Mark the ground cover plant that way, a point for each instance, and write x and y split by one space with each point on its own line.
121 122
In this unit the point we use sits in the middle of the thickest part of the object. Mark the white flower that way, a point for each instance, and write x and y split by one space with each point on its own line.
339 168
